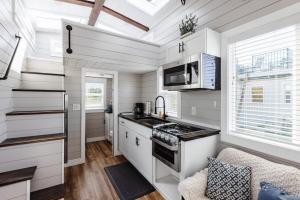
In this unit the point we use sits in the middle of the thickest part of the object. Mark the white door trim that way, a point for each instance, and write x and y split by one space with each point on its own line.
115 108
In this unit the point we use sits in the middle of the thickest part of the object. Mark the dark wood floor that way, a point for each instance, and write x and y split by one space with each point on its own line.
89 181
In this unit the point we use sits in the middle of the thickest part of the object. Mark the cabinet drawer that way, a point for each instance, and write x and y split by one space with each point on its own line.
140 129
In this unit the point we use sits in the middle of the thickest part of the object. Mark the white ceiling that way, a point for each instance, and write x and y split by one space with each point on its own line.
55 10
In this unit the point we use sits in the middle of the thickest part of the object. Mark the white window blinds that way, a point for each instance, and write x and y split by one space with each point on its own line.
264 94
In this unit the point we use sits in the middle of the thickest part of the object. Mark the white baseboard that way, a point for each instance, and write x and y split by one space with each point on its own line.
95 139
74 162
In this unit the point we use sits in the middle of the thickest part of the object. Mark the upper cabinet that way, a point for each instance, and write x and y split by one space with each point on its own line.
205 41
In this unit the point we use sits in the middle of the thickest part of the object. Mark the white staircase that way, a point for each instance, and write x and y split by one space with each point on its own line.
35 128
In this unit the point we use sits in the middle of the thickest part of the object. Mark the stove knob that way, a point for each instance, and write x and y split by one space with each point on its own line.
162 136
167 138
173 140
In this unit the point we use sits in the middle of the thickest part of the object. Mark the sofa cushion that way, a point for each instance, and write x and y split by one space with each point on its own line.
228 182
263 170
271 192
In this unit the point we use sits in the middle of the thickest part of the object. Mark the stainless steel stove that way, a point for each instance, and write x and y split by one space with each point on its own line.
166 143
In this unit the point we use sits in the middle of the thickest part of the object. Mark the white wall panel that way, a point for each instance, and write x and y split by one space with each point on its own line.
220 15
30 125
110 51
47 156
14 191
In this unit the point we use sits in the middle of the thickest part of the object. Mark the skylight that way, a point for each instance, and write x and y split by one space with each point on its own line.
150 7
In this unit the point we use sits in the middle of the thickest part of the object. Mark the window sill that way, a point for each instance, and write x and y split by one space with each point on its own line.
273 148
94 110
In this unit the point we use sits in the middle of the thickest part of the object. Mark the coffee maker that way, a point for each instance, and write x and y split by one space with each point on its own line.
138 109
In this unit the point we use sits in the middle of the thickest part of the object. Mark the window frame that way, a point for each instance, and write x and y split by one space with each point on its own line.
96 81
160 90
272 22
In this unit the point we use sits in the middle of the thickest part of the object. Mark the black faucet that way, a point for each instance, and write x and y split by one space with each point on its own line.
164 106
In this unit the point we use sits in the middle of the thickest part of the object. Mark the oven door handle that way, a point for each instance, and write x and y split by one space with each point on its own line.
172 148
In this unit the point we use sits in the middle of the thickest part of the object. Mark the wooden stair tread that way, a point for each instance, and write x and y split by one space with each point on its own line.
42 73
51 193
34 112
32 139
15 176
36 90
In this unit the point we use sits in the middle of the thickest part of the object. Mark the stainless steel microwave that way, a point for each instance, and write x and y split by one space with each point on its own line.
201 71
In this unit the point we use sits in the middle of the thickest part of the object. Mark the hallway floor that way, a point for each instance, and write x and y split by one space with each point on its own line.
89 181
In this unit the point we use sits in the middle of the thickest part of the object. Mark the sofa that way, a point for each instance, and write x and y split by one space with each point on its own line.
194 188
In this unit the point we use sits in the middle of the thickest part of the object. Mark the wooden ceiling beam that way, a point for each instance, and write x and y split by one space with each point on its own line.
109 11
95 12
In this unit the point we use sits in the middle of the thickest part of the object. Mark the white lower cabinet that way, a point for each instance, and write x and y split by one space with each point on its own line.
123 140
136 146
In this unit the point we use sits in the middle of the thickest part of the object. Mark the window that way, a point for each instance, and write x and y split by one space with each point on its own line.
263 86
172 98
95 96
257 94
150 7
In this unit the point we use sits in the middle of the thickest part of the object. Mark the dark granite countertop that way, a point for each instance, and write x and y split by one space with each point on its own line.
140 119
204 132
15 176
32 139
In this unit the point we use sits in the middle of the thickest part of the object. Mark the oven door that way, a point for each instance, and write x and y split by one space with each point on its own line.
169 155
174 76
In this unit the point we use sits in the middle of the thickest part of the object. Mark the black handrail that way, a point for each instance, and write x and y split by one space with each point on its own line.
12 59
69 28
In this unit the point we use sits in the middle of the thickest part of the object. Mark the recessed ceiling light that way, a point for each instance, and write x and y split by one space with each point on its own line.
150 7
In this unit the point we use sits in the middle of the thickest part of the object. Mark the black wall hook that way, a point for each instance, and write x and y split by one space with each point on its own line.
183 2
69 50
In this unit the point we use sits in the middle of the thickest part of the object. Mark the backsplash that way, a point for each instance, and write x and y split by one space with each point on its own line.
207 107
207 103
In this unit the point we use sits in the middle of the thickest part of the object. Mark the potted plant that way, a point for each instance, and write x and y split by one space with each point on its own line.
188 25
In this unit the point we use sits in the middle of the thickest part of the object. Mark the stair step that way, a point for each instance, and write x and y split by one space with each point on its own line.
36 90
32 139
15 176
51 193
35 112
41 73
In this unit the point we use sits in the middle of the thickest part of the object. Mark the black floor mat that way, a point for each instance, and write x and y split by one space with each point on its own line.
128 182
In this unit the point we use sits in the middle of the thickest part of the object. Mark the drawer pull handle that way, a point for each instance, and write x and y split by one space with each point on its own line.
126 134
137 141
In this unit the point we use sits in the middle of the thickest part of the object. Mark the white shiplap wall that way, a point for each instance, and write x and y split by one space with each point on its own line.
114 52
47 156
8 29
149 87
6 103
130 91
220 15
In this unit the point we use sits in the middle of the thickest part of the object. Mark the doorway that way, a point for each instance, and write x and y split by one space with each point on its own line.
99 102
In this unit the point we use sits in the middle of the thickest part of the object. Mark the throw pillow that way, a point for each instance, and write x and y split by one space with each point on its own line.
228 182
271 192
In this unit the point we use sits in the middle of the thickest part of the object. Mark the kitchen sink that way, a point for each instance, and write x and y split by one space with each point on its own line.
152 121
